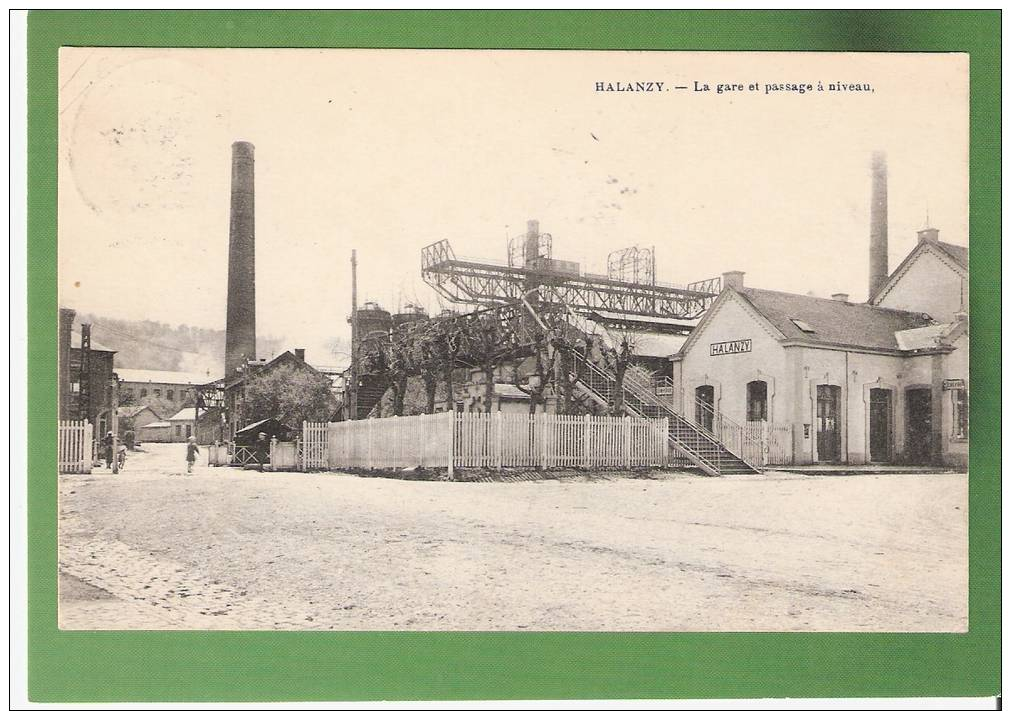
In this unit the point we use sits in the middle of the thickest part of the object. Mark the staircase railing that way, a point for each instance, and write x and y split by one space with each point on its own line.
639 391
641 404
732 435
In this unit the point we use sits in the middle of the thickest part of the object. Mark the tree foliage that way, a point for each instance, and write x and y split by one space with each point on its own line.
290 394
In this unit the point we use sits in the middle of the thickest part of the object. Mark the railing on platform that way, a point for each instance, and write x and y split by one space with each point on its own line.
738 440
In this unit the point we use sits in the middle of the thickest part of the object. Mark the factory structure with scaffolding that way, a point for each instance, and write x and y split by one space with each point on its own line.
760 376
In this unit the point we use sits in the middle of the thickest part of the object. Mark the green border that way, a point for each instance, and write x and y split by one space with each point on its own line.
267 666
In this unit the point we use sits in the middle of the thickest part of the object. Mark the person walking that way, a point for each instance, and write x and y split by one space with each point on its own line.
262 450
107 445
192 450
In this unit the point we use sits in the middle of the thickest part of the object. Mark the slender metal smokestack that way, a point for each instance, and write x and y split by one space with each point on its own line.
879 223
531 249
240 327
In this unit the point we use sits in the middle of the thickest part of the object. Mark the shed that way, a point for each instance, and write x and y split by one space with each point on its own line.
155 432
271 427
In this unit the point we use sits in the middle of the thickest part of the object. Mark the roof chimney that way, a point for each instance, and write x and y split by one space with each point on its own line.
841 297
300 354
240 325
928 234
879 223
531 247
733 280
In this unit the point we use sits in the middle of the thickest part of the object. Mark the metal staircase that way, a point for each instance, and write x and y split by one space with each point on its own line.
371 388
719 446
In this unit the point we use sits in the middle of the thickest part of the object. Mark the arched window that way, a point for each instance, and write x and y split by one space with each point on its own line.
758 401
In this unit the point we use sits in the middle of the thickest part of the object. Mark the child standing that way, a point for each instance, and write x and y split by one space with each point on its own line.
192 450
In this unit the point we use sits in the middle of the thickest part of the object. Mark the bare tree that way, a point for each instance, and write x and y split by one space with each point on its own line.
542 375
618 360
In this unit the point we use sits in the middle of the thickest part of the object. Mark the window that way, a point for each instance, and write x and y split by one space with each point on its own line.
960 414
143 392
170 394
758 401
179 430
803 325
157 392
189 430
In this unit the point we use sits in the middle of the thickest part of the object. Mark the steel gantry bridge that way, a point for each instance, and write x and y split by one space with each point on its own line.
469 281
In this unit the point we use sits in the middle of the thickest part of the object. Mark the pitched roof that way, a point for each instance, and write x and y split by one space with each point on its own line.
168 377
957 252
510 392
261 366
134 410
833 322
655 345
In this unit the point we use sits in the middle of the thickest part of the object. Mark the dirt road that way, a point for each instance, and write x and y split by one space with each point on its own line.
233 549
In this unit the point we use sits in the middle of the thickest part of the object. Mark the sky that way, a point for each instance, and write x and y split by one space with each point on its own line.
386 151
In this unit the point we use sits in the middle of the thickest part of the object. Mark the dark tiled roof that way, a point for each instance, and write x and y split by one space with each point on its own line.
957 252
833 321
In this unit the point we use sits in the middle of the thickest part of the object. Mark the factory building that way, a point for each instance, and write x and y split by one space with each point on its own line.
86 376
832 381
165 391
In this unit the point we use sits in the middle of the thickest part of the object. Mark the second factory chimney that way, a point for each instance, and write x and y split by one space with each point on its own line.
240 326
879 223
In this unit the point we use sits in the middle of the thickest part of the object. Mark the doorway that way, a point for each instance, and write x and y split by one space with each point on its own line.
705 397
918 425
827 423
880 425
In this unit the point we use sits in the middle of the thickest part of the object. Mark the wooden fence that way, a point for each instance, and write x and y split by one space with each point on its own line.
484 440
75 447
777 442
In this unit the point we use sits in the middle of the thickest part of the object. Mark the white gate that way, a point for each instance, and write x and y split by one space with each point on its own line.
74 447
314 445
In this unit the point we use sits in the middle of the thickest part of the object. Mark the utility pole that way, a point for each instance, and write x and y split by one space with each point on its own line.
114 414
354 336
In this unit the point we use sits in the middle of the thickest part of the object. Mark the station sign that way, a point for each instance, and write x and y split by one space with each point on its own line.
953 384
730 347
664 389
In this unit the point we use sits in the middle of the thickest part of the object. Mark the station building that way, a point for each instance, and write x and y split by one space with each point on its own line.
832 381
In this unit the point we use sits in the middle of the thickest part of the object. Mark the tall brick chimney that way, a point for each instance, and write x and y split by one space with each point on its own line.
240 325
879 224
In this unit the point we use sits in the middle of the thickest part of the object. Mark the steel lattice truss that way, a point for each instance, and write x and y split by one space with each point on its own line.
211 395
469 282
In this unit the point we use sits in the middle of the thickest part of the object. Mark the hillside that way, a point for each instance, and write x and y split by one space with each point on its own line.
161 346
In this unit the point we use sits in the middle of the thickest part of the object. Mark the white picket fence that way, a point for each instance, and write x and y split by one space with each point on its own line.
486 440
379 443
74 447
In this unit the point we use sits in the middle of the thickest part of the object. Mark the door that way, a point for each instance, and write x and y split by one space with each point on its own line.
705 397
829 431
918 425
880 425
